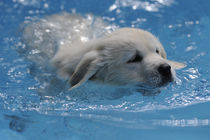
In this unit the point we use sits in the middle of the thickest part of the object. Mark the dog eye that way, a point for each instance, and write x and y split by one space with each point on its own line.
157 51
137 58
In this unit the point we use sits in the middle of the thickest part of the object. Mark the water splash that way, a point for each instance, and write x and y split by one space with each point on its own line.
150 6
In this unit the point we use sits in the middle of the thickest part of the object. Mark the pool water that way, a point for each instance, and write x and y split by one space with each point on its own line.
181 111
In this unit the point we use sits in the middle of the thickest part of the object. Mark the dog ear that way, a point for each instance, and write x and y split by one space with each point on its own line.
176 65
86 68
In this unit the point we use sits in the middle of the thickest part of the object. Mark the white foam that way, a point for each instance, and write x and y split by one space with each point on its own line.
43 37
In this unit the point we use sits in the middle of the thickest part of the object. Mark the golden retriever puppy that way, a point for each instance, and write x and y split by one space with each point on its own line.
126 57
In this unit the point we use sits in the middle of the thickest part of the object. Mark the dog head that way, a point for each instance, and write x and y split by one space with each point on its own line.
126 57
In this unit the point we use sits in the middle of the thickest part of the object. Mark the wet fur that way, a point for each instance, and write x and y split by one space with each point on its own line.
104 60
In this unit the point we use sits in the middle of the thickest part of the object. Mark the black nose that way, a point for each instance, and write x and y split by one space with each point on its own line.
165 72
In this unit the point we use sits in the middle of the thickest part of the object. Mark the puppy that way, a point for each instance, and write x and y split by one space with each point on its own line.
126 57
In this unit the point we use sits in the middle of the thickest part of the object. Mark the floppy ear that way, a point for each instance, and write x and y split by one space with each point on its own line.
86 68
176 65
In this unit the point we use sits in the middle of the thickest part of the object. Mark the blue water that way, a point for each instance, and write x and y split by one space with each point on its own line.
181 111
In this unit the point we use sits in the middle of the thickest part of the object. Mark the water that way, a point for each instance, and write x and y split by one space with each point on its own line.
181 111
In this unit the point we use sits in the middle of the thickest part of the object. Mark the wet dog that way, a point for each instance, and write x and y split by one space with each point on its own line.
126 57
80 50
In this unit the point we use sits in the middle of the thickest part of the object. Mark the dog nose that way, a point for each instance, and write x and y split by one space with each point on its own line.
165 72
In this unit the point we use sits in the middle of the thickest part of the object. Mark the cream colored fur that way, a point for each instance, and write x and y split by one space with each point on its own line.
105 60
